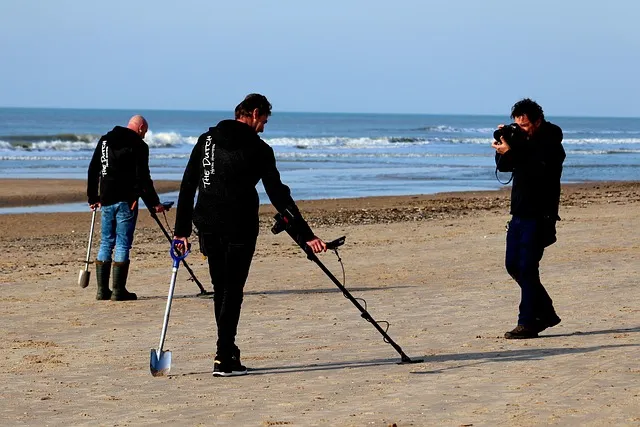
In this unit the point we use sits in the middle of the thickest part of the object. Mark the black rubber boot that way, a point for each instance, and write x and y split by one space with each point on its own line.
120 273
103 271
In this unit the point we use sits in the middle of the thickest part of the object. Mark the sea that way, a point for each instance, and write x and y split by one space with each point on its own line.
319 155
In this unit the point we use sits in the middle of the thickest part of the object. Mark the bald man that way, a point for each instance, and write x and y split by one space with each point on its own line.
118 176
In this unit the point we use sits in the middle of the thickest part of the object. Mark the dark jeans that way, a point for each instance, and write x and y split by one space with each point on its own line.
525 247
229 261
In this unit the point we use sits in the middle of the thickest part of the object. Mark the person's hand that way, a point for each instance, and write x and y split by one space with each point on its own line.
501 146
182 247
159 208
317 245
94 206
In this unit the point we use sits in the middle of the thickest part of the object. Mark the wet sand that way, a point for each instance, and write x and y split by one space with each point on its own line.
431 265
32 192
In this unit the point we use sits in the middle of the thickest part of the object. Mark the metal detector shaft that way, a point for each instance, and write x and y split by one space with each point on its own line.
286 222
170 239
365 314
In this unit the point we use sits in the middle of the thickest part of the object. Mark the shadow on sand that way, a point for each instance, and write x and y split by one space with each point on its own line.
284 292
476 358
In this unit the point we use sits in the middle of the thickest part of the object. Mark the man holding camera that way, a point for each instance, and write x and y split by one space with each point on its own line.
225 166
532 150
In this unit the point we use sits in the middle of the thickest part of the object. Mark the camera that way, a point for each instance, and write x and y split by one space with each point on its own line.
511 133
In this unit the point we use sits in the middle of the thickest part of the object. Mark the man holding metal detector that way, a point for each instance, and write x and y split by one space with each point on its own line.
531 148
225 166
118 175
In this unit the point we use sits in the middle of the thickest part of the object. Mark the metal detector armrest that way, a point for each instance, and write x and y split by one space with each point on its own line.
336 243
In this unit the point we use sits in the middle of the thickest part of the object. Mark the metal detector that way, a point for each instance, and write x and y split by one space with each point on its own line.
203 293
286 222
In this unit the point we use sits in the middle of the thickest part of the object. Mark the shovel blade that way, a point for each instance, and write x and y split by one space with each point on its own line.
160 366
83 278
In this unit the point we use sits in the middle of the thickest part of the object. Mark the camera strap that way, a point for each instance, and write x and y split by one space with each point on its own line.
498 178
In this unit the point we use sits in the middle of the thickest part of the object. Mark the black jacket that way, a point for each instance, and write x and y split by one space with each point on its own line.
536 164
120 167
225 166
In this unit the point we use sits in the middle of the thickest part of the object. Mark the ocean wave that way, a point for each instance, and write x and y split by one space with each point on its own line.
600 132
342 142
45 158
368 155
29 139
452 129
601 152
566 141
168 139
83 157
603 141
85 142
68 143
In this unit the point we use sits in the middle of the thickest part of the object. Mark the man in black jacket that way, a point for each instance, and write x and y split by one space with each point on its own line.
225 166
534 155
118 175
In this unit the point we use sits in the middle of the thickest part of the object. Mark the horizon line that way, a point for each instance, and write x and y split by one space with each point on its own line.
308 112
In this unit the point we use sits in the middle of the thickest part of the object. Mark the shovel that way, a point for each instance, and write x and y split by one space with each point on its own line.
85 275
160 363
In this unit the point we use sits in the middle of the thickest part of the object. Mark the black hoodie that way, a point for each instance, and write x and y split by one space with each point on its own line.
225 166
536 164
120 164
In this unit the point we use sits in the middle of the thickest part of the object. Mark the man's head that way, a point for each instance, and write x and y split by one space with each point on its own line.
528 115
139 125
254 110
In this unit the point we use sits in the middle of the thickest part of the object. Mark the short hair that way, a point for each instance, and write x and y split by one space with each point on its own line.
250 103
529 108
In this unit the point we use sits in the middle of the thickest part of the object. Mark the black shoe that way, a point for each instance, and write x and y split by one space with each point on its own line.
547 322
231 368
521 332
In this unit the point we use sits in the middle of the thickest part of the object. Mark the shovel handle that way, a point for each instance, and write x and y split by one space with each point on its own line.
93 222
176 255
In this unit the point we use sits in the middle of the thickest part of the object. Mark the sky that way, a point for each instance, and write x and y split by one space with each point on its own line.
575 58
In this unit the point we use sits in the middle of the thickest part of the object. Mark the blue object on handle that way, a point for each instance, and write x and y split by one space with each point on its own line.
177 257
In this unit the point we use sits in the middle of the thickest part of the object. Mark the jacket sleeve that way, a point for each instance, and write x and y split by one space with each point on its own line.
93 175
280 194
143 178
188 187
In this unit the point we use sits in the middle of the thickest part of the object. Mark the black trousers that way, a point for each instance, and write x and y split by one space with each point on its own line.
525 247
229 262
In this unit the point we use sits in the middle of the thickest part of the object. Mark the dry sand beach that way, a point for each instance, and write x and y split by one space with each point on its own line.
430 265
